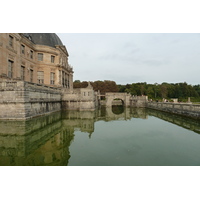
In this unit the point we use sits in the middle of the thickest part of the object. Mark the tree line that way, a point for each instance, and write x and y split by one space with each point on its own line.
156 91
102 86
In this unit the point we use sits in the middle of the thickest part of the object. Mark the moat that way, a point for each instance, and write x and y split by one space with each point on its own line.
106 137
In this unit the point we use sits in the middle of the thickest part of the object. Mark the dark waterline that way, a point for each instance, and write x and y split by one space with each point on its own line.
106 137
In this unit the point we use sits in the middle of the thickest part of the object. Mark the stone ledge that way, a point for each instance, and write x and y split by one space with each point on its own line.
175 108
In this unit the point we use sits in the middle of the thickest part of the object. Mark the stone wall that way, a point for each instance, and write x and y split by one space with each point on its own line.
80 99
189 110
139 101
22 100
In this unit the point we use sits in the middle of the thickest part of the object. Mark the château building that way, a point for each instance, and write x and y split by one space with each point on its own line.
36 58
36 78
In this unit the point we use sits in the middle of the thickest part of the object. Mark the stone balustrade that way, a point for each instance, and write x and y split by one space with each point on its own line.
185 109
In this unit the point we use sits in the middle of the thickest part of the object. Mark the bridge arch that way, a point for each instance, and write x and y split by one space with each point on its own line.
117 101
124 97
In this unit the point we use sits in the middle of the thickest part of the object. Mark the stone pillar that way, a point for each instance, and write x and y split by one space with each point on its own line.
71 81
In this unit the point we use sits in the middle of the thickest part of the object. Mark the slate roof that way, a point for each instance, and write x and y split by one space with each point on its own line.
48 39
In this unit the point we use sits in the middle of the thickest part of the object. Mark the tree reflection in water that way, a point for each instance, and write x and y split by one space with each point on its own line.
117 110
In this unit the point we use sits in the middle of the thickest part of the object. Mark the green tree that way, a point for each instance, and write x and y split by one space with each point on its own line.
163 90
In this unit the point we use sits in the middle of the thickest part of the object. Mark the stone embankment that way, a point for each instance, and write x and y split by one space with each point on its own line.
23 100
184 109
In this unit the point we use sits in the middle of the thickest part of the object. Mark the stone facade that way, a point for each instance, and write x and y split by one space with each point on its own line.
36 78
81 99
22 59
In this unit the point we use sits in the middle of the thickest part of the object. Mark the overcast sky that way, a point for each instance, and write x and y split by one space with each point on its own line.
134 57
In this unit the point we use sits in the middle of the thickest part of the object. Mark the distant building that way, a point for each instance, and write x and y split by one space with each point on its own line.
36 78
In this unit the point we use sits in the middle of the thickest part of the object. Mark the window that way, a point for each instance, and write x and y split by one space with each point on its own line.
10 41
63 79
10 69
52 59
31 54
22 73
22 49
68 81
52 78
40 56
31 75
40 77
60 77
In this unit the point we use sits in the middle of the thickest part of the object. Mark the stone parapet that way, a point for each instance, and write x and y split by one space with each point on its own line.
20 92
189 110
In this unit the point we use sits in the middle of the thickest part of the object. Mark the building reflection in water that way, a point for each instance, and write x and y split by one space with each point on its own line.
45 141
40 141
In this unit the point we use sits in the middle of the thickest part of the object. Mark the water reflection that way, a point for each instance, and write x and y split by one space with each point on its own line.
117 110
40 141
184 122
46 140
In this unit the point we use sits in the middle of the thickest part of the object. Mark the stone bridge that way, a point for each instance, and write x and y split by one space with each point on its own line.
127 99
124 97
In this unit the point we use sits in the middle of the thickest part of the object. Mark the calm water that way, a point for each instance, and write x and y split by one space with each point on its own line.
107 137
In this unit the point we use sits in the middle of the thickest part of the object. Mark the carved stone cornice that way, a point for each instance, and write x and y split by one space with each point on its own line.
17 36
46 49
63 49
27 42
